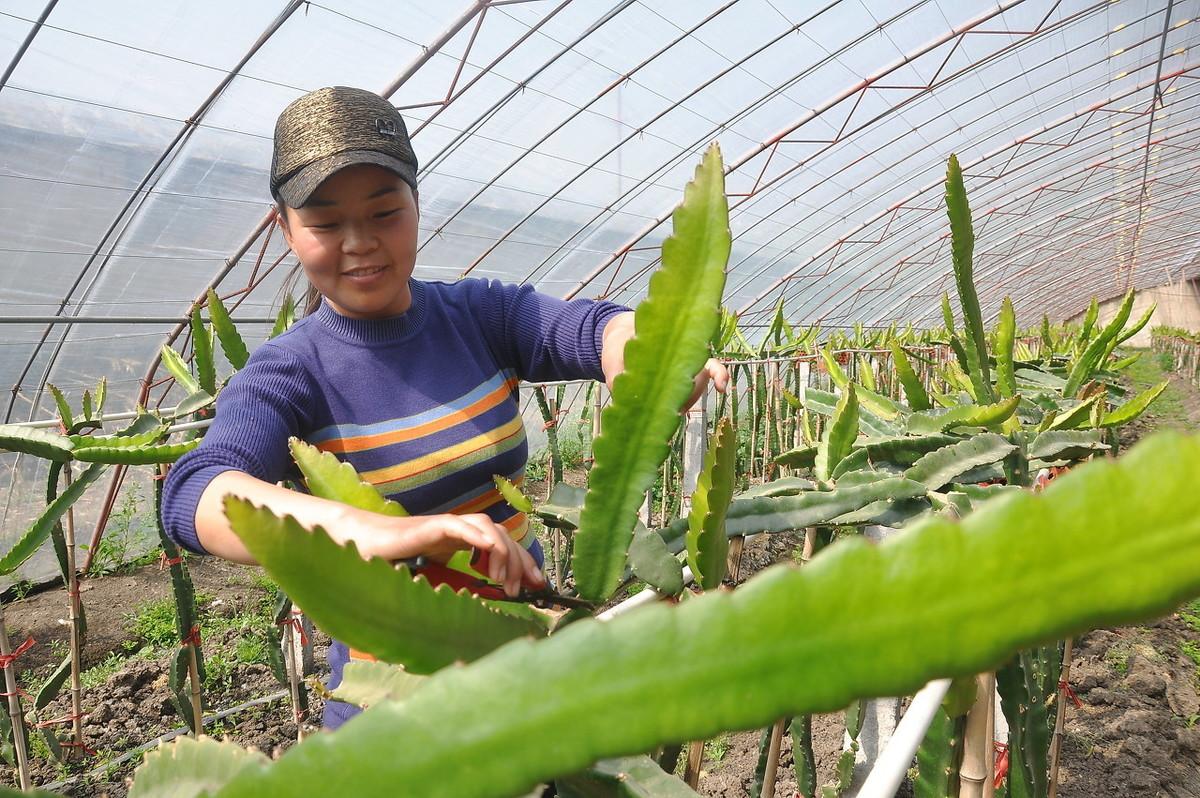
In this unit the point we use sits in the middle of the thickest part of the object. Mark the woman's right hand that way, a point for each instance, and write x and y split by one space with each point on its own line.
375 535
439 536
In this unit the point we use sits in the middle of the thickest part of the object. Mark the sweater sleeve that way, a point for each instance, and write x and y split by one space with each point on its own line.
264 404
542 337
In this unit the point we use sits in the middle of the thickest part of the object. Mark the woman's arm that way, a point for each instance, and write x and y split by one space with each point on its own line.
374 535
612 359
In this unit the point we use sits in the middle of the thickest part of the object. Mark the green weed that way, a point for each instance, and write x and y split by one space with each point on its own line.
1190 615
1168 409
129 528
1191 650
154 622
716 748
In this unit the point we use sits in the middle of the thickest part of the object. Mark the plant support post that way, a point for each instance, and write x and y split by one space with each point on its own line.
1060 717
76 638
15 713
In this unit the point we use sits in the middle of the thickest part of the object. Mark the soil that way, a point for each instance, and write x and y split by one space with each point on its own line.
134 705
1135 734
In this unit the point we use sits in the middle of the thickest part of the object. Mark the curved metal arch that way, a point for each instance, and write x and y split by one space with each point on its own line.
530 149
33 32
783 254
914 198
634 133
688 151
883 146
632 242
1015 199
135 199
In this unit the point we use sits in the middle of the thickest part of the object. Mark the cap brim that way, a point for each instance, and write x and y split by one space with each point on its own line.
299 188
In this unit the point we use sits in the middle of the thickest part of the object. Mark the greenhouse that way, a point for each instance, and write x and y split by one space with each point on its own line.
830 367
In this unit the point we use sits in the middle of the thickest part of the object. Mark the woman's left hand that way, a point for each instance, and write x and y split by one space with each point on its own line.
714 371
612 359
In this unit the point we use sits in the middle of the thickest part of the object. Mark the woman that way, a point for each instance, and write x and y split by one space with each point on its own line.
413 382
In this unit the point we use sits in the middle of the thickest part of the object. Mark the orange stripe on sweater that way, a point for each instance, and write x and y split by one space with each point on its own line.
442 457
363 442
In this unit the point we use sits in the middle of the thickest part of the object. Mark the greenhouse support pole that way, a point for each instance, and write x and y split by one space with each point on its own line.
880 716
694 433
16 59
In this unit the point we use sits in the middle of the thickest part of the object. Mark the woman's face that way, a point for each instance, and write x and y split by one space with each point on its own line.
357 241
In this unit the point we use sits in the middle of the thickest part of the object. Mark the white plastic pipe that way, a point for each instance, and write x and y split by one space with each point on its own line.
895 760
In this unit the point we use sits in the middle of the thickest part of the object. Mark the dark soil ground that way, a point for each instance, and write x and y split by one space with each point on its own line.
133 705
1136 734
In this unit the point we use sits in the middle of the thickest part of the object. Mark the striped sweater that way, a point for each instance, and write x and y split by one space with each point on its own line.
424 405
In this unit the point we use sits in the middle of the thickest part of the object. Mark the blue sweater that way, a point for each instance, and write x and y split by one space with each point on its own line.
424 405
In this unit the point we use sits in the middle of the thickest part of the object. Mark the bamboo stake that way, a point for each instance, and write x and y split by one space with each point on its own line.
662 498
293 669
733 562
772 773
770 376
14 707
76 642
194 676
753 404
1060 717
691 773
976 771
989 784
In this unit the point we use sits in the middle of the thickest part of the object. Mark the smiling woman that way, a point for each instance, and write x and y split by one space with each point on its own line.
356 238
365 375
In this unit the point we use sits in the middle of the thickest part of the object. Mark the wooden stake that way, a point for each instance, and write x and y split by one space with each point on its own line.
771 376
1060 717
76 642
989 784
753 405
733 562
14 709
293 670
194 676
772 772
691 773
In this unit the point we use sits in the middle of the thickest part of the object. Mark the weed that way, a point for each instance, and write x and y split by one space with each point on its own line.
1190 615
250 649
1085 742
100 673
59 647
20 589
154 623
129 527
1168 409
574 447
219 669
1191 650
1117 658
271 591
716 748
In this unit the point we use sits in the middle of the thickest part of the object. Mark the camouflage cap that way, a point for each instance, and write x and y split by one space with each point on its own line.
329 129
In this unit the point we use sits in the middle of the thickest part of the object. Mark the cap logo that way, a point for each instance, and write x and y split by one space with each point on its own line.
386 127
